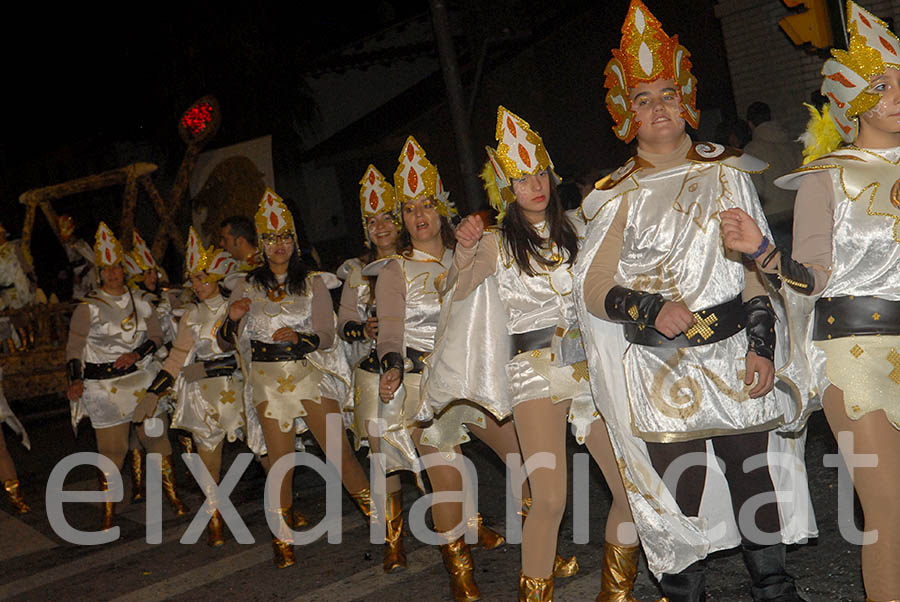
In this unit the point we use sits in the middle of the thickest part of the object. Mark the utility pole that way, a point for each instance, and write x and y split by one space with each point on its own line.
442 36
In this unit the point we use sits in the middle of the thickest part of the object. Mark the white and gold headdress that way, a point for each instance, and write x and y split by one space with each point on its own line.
647 54
273 216
873 48
376 196
417 177
215 263
107 248
520 152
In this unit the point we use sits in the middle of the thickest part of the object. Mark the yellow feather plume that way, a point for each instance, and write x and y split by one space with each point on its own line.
493 190
821 135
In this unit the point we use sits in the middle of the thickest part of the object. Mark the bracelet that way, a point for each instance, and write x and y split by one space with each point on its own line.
762 249
768 259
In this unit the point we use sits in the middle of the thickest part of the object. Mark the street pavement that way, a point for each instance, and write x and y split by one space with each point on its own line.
38 565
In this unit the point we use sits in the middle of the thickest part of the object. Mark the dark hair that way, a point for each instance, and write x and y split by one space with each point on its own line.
404 242
758 112
241 226
523 241
295 283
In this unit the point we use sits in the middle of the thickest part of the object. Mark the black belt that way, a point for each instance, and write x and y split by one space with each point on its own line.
276 352
417 358
711 325
529 341
370 362
221 367
846 316
104 371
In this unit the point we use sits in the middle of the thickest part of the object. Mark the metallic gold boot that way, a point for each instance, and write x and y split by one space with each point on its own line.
15 496
487 537
168 485
458 562
363 499
535 589
394 554
215 530
619 571
284 550
137 475
562 568
109 507
295 519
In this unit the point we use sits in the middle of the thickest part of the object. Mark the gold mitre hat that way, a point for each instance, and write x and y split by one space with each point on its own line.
873 48
376 196
417 177
107 248
520 152
646 54
215 262
273 216
141 252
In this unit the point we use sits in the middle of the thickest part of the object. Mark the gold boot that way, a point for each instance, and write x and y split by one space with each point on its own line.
394 554
487 537
535 589
562 568
215 530
619 571
15 496
168 485
363 499
109 507
458 562
137 475
295 519
284 550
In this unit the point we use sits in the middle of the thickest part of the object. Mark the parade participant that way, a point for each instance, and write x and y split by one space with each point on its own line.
530 256
409 305
80 257
7 468
208 390
112 337
699 370
237 235
282 319
358 327
844 274
17 290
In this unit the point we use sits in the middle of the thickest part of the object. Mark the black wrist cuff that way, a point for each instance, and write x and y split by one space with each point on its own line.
229 330
146 348
308 342
353 331
796 275
761 326
628 305
161 383
74 370
392 360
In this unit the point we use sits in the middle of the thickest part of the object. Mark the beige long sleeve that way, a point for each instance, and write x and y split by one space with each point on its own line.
79 328
472 265
348 311
601 275
184 342
322 313
390 297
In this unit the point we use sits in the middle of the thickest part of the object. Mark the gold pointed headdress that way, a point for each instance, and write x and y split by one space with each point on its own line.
216 263
107 248
646 54
416 177
141 252
273 216
66 226
520 152
873 48
376 196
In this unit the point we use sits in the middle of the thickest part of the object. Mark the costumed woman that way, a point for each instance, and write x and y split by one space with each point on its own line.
842 281
695 383
113 335
407 294
529 257
358 327
7 468
283 320
206 379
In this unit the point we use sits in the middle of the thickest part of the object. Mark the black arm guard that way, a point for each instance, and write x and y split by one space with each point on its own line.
161 383
74 370
761 326
628 305
392 360
796 275
353 331
146 348
229 330
307 342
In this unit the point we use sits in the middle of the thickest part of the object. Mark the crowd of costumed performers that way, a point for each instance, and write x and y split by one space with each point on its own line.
659 323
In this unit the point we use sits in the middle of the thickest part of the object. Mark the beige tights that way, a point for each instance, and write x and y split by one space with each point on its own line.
879 492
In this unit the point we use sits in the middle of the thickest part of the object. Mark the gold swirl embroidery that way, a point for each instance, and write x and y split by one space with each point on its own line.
676 404
128 322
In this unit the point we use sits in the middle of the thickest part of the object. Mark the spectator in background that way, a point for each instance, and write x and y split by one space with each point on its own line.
237 235
733 132
774 145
